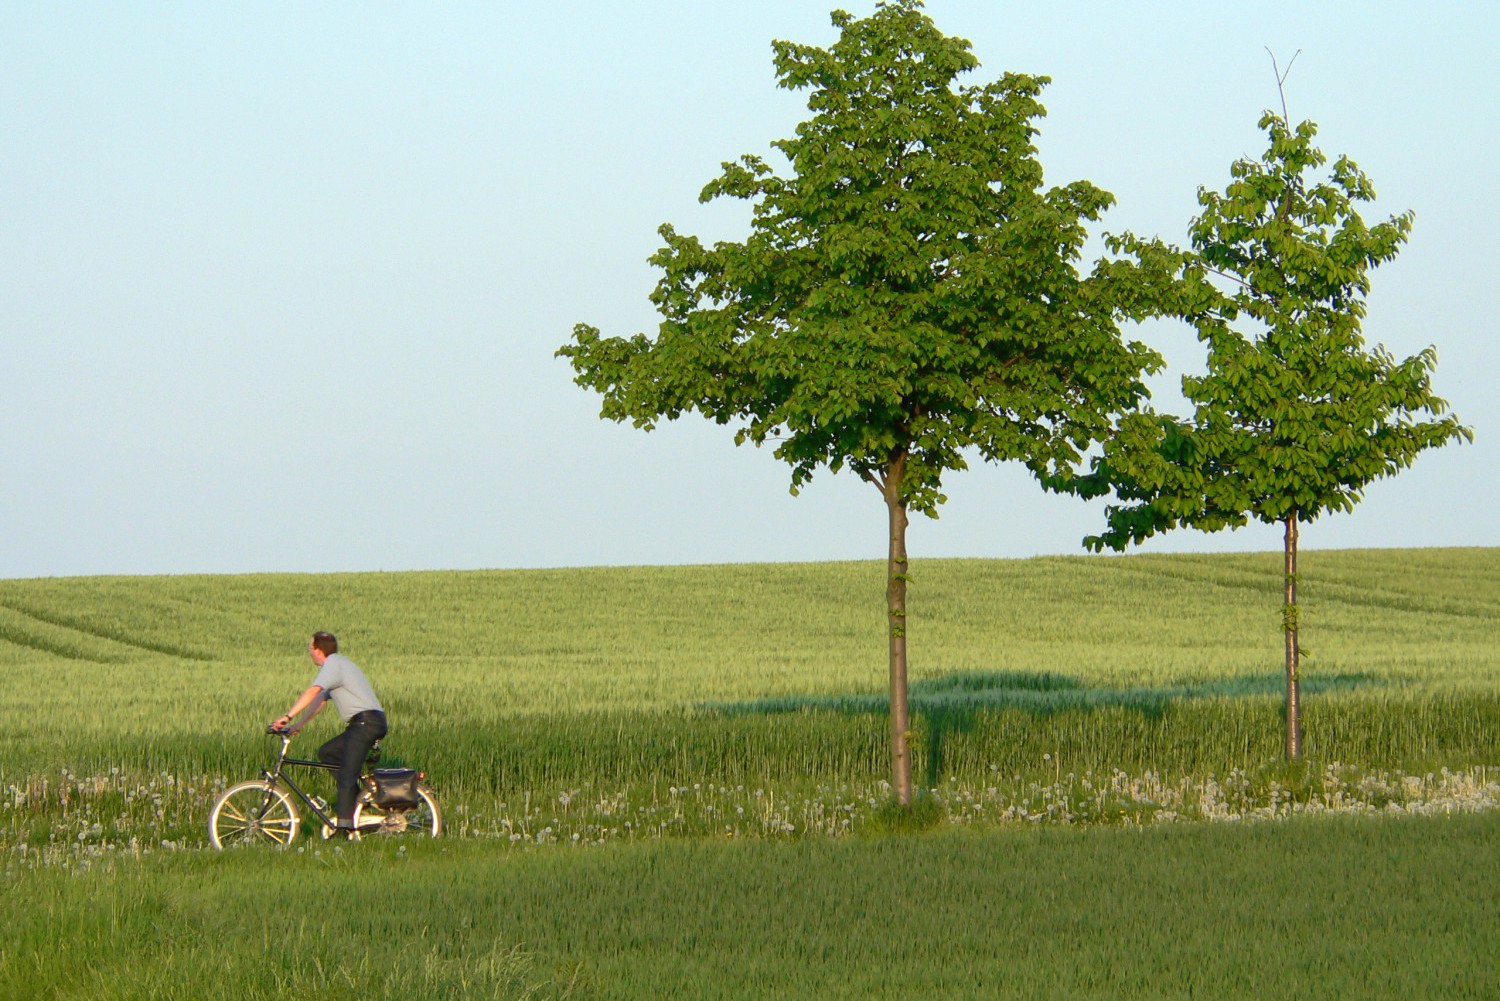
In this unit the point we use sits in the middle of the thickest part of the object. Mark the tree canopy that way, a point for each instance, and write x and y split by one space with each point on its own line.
909 285
1295 415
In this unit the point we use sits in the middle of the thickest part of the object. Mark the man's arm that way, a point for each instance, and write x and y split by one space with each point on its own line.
314 694
317 708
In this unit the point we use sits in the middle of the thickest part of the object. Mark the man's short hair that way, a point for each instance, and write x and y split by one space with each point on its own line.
325 642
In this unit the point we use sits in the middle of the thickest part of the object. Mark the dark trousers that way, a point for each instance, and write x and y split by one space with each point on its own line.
347 753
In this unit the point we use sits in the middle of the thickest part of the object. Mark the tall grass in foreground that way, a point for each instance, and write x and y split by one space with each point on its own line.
1330 909
643 780
831 745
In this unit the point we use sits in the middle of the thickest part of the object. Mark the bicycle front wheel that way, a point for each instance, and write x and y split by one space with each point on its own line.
253 813
422 820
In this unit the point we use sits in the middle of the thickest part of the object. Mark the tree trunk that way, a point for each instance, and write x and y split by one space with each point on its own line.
1293 659
895 600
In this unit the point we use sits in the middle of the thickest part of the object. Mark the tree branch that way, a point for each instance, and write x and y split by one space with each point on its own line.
1242 283
1281 82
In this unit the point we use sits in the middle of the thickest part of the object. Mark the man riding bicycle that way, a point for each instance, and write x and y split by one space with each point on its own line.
340 680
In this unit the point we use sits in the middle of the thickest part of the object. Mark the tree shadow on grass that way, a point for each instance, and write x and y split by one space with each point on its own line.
953 704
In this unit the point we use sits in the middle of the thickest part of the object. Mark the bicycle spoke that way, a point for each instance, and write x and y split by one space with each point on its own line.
253 813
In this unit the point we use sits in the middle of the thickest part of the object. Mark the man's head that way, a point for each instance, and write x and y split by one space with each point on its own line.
322 646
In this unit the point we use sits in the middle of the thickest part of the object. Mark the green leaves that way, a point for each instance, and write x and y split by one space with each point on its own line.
909 290
1295 415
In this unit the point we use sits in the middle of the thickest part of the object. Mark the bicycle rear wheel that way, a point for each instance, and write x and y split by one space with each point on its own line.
422 820
253 813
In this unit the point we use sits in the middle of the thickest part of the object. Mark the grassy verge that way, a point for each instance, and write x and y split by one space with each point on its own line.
634 776
1332 908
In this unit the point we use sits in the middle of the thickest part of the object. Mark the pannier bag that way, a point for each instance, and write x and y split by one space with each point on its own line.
395 788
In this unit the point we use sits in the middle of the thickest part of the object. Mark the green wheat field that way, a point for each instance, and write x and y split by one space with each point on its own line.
671 782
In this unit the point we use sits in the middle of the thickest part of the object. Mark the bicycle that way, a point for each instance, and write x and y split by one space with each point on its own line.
262 811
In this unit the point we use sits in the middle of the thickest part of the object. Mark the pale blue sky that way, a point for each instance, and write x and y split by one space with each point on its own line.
282 283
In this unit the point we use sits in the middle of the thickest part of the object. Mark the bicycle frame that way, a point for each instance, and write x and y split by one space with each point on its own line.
280 777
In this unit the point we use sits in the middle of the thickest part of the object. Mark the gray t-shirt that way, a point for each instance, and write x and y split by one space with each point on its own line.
347 685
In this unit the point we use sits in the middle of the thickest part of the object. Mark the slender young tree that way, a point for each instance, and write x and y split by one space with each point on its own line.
908 295
1295 415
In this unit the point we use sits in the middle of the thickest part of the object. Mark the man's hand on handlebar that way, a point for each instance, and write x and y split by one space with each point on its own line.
282 725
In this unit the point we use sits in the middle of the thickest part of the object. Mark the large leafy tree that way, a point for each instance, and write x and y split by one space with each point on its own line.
908 296
1295 414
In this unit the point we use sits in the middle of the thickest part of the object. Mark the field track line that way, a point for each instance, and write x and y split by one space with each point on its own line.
99 633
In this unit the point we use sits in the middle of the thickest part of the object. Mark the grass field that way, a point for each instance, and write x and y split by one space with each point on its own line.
1334 908
721 731
618 687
